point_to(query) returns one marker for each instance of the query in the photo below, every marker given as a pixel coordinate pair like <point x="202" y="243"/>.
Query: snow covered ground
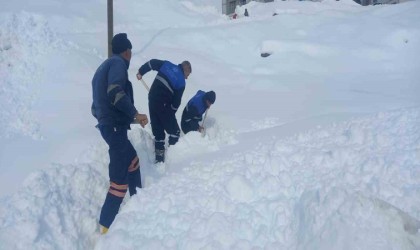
<point x="314" y="147"/>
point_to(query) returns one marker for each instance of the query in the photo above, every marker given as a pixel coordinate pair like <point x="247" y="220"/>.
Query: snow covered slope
<point x="314" y="147"/>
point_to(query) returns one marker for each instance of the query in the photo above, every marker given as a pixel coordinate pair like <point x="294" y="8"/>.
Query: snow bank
<point x="57" y="208"/>
<point x="24" y="39"/>
<point x="321" y="189"/>
<point x="351" y="184"/>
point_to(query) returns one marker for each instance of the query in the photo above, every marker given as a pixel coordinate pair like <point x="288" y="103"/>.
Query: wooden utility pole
<point x="110" y="26"/>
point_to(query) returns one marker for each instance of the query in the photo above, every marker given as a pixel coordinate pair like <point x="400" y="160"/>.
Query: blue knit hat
<point x="120" y="43"/>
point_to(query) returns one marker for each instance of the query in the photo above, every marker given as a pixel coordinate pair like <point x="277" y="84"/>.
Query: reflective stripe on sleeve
<point x="111" y="87"/>
<point x="118" y="97"/>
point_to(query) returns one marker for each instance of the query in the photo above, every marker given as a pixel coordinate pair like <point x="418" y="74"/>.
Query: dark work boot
<point x="160" y="155"/>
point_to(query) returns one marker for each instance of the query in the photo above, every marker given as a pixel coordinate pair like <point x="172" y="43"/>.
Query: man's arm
<point x="153" y="64"/>
<point x="117" y="78"/>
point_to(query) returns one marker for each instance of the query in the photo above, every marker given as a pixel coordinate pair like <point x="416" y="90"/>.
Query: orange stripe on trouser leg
<point x="117" y="193"/>
<point x="117" y="186"/>
<point x="118" y="190"/>
<point x="134" y="164"/>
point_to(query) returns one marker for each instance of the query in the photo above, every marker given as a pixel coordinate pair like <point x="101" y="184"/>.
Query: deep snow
<point x="314" y="147"/>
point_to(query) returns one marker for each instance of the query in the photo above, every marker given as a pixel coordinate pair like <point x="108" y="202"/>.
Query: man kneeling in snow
<point x="195" y="109"/>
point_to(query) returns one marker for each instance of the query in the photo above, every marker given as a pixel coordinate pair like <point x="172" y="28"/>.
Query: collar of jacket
<point x="127" y="63"/>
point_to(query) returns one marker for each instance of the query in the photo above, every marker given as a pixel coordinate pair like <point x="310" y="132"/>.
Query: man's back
<point x="112" y="73"/>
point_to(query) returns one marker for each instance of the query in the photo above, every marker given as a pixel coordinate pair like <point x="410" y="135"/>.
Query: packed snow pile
<point x="24" y="39"/>
<point x="353" y="184"/>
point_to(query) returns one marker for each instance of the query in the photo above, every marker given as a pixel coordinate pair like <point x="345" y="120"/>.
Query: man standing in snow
<point x="194" y="110"/>
<point x="113" y="107"/>
<point x="164" y="99"/>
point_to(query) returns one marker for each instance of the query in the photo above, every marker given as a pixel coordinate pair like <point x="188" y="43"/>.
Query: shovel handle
<point x="145" y="85"/>
<point x="203" y="133"/>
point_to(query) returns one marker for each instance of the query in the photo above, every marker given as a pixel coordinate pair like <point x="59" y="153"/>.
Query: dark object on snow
<point x="275" y="14"/>
<point x="246" y="12"/>
<point x="265" y="54"/>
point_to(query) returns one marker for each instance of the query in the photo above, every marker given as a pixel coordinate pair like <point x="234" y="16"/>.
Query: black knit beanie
<point x="120" y="43"/>
<point x="210" y="96"/>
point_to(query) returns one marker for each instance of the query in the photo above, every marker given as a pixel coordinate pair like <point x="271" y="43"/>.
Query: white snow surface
<point x="315" y="147"/>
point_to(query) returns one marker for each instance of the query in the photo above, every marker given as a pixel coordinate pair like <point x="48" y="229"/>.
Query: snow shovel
<point x="203" y="133"/>
<point x="145" y="85"/>
<point x="148" y="90"/>
<point x="142" y="81"/>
